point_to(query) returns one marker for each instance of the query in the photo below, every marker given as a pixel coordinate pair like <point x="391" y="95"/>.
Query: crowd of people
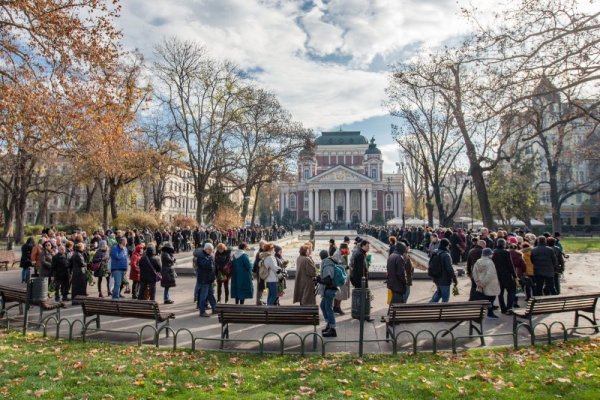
<point x="497" y="263"/>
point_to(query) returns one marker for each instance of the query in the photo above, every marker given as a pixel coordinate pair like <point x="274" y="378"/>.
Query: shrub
<point x="138" y="220"/>
<point x="32" y="230"/>
<point x="182" y="221"/>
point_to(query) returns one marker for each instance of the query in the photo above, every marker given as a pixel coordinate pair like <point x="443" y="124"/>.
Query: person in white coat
<point x="268" y="258"/>
<point x="486" y="279"/>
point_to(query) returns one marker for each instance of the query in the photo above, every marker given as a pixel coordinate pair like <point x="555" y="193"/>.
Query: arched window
<point x="306" y="173"/>
<point x="292" y="201"/>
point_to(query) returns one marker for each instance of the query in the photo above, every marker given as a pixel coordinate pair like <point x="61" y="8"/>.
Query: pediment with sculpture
<point x="340" y="174"/>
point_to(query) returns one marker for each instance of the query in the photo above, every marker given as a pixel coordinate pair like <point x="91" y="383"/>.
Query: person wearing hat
<point x="448" y="276"/>
<point x="167" y="260"/>
<point x="486" y="279"/>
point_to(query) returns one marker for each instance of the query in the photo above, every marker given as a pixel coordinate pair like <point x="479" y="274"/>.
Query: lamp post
<point x="389" y="192"/>
<point x="403" y="215"/>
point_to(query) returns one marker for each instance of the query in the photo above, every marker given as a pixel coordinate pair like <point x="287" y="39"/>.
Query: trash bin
<point x="39" y="289"/>
<point x="356" y="303"/>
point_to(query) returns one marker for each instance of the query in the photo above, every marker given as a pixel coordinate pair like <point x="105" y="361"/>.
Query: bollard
<point x="363" y="298"/>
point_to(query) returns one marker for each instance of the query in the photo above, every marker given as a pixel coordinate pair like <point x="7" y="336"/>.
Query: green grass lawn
<point x="581" y="244"/>
<point x="35" y="367"/>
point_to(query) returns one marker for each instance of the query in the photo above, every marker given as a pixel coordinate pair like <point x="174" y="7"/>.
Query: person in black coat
<point x="545" y="265"/>
<point x="150" y="269"/>
<point x="25" y="263"/>
<point x="396" y="273"/>
<point x="447" y="277"/>
<point x="79" y="278"/>
<point x="359" y="264"/>
<point x="167" y="270"/>
<point x="61" y="275"/>
<point x="506" y="276"/>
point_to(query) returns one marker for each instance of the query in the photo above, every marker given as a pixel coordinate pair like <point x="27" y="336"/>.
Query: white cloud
<point x="280" y="39"/>
<point x="391" y="155"/>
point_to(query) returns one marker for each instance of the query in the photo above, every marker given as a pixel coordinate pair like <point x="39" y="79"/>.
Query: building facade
<point x="340" y="180"/>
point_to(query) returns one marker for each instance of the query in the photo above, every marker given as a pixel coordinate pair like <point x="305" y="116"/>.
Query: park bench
<point x="94" y="307"/>
<point x="7" y="259"/>
<point x="458" y="312"/>
<point x="266" y="315"/>
<point x="543" y="305"/>
<point x="22" y="297"/>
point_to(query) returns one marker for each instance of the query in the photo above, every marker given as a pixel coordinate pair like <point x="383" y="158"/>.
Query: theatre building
<point x="340" y="179"/>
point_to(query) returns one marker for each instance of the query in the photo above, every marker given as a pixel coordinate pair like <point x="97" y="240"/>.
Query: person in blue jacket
<point x="118" y="265"/>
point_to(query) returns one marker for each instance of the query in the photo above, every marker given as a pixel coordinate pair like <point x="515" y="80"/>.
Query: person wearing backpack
<point x="327" y="291"/>
<point x="440" y="269"/>
<point x="396" y="273"/>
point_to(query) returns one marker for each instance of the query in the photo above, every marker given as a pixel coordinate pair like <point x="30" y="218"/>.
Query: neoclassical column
<point x="310" y="205"/>
<point x="369" y="205"/>
<point x="331" y="205"/>
<point x="347" y="206"/>
<point x="363" y="210"/>
<point x="317" y="208"/>
<point x="394" y="208"/>
<point x="281" y="203"/>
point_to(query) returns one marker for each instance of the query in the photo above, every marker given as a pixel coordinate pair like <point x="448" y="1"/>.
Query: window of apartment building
<point x="545" y="197"/>
<point x="305" y="205"/>
<point x="292" y="201"/>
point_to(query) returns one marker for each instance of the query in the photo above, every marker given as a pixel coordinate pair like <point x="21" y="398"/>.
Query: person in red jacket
<point x="134" y="272"/>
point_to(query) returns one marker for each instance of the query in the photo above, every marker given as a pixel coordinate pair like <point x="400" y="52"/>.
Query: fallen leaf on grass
<point x="583" y="374"/>
<point x="139" y="383"/>
<point x="306" y="391"/>
<point x="555" y="365"/>
<point x="347" y="392"/>
<point x="343" y="381"/>
<point x="559" y="380"/>
<point x="40" y="393"/>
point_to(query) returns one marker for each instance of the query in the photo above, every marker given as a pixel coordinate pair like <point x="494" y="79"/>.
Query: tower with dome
<point x="340" y="179"/>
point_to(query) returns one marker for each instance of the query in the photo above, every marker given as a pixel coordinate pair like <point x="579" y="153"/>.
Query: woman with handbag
<point x="486" y="279"/>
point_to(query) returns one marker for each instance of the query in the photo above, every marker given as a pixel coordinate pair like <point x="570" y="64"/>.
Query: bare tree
<point x="268" y="141"/>
<point x="202" y="96"/>
<point x="545" y="59"/>
<point x="428" y="137"/>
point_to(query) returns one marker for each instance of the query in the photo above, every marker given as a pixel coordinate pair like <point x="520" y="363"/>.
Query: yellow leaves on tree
<point x="227" y="217"/>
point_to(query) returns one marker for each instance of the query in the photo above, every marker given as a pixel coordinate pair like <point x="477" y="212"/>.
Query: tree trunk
<point x="475" y="166"/>
<point x="200" y="208"/>
<point x="255" y="205"/>
<point x="105" y="206"/>
<point x="87" y="208"/>
<point x="9" y="217"/>
<point x="555" y="202"/>
<point x="114" y="211"/>
<point x="246" y="202"/>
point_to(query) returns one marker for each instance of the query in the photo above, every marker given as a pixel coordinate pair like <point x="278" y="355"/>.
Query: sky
<point x="328" y="61"/>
